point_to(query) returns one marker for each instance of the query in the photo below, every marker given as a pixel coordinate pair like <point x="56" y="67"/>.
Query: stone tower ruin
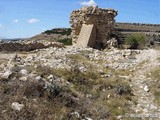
<point x="92" y="26"/>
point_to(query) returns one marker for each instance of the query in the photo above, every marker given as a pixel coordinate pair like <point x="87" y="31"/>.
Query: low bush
<point x="123" y="89"/>
<point x="65" y="31"/>
<point x="136" y="41"/>
<point x="65" y="41"/>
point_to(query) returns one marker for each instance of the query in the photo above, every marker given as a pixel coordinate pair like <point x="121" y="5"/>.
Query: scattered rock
<point x="76" y="114"/>
<point x="146" y="89"/>
<point x="24" y="78"/>
<point x="87" y="118"/>
<point x="50" y="77"/>
<point x="24" y="72"/>
<point x="6" y="74"/>
<point x="17" y="106"/>
<point x="120" y="117"/>
<point x="153" y="107"/>
<point x="108" y="95"/>
<point x="38" y="78"/>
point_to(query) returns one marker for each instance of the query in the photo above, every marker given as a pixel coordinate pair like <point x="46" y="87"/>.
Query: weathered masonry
<point x="92" y="26"/>
<point x="151" y="31"/>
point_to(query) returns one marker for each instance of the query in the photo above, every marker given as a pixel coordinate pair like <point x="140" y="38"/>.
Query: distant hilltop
<point x="11" y="39"/>
<point x="62" y="33"/>
<point x="137" y="27"/>
<point x="53" y="34"/>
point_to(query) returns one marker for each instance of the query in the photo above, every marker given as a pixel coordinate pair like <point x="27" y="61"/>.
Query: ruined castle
<point x="96" y="27"/>
<point x="92" y="26"/>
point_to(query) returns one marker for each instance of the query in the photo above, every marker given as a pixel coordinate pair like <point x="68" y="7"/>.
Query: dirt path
<point x="145" y="99"/>
<point x="7" y="56"/>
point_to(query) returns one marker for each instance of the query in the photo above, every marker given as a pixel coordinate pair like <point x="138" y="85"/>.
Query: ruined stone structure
<point x="92" y="26"/>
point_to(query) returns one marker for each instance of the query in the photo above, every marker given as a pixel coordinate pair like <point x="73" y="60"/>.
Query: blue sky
<point x="25" y="18"/>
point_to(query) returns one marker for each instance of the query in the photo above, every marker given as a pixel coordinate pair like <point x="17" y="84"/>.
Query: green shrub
<point x="65" y="31"/>
<point x="136" y="41"/>
<point x="123" y="89"/>
<point x="65" y="41"/>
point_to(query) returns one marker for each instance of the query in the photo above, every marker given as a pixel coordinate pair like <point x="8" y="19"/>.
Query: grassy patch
<point x="122" y="72"/>
<point x="158" y="59"/>
<point x="155" y="74"/>
<point x="65" y="41"/>
<point x="37" y="103"/>
<point x="79" y="59"/>
<point x="155" y="85"/>
<point x="136" y="41"/>
<point x="85" y="92"/>
<point x="3" y="61"/>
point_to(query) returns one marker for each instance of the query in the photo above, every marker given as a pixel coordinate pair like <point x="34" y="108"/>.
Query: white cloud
<point x="89" y="3"/>
<point x="33" y="20"/>
<point x="16" y="20"/>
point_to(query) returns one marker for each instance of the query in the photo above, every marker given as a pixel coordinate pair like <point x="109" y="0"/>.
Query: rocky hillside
<point x="80" y="84"/>
<point x="52" y="35"/>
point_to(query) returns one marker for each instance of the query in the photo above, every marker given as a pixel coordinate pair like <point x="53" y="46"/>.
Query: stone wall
<point x="152" y="31"/>
<point x="27" y="46"/>
<point x="102" y="19"/>
<point x="137" y="27"/>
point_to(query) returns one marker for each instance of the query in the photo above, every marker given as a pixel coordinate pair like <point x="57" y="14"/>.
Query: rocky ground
<point x="80" y="84"/>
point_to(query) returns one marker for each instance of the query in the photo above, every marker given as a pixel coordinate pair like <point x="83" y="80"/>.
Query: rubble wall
<point x="30" y="46"/>
<point x="102" y="19"/>
<point x="152" y="31"/>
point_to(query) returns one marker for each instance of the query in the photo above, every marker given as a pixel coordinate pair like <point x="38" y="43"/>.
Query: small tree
<point x="136" y="40"/>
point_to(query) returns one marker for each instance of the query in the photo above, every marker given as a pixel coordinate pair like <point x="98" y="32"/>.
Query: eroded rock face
<point x="103" y="20"/>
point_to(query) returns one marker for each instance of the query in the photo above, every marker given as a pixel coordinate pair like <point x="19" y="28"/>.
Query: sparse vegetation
<point x="65" y="41"/>
<point x="136" y="41"/>
<point x="155" y="84"/>
<point x="86" y="87"/>
<point x="65" y="31"/>
<point x="87" y="93"/>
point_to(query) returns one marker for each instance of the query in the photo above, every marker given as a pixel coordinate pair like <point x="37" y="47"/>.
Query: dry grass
<point x="155" y="83"/>
<point x="39" y="104"/>
<point x="87" y="93"/>
<point x="3" y="61"/>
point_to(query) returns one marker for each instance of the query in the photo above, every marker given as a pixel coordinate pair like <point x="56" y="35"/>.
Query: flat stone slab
<point x="87" y="36"/>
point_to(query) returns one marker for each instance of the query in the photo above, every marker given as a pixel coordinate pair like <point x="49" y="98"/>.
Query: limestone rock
<point x="17" y="106"/>
<point x="24" y="72"/>
<point x="6" y="74"/>
<point x="146" y="88"/>
<point x="76" y="114"/>
<point x="23" y="78"/>
<point x="38" y="78"/>
<point x="120" y="117"/>
<point x="87" y="118"/>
